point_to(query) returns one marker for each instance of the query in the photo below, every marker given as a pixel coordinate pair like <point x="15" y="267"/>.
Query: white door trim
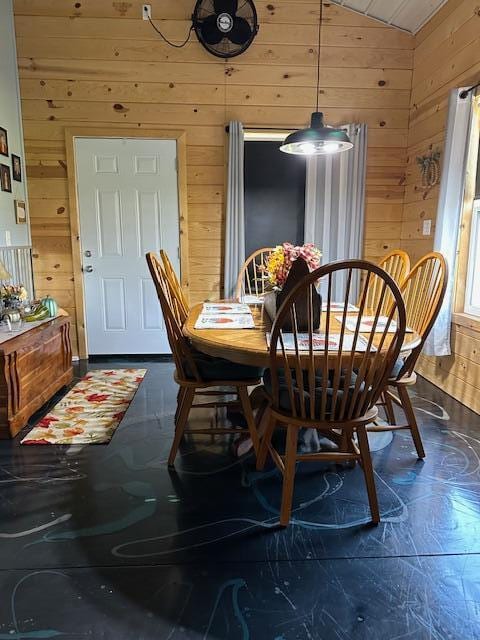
<point x="155" y="134"/>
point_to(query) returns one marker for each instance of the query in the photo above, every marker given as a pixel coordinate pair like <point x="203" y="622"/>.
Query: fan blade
<point x="241" y="31"/>
<point x="226" y="6"/>
<point x="210" y="32"/>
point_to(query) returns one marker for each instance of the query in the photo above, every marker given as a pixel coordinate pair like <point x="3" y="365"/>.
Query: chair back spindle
<point x="175" y="284"/>
<point x="397" y="265"/>
<point x="423" y="291"/>
<point x="252" y="279"/>
<point x="174" y="317"/>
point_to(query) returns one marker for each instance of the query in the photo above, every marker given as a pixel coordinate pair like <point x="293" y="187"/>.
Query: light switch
<point x="427" y="227"/>
<point x="8" y="239"/>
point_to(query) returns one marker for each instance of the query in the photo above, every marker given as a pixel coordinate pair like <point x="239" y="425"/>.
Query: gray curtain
<point x="235" y="217"/>
<point x="449" y="211"/>
<point x="335" y="203"/>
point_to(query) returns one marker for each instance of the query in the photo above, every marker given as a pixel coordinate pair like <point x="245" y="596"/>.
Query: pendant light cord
<point x="319" y="45"/>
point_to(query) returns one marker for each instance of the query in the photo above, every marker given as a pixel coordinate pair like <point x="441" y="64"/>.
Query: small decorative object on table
<point x="285" y="267"/>
<point x="37" y="312"/>
<point x="14" y="296"/>
<point x="51" y="305"/>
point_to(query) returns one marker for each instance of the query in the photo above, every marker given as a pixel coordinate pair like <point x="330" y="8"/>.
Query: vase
<point x="273" y="301"/>
<point x="298" y="271"/>
<point x="270" y="304"/>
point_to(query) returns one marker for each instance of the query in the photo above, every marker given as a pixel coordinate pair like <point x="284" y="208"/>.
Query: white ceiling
<point x="409" y="15"/>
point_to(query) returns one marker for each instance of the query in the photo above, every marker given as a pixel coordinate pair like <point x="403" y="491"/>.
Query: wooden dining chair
<point x="423" y="291"/>
<point x="252" y="279"/>
<point x="198" y="374"/>
<point x="175" y="283"/>
<point x="333" y="389"/>
<point x="397" y="264"/>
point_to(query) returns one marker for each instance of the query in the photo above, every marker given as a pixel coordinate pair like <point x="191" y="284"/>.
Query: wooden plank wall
<point x="447" y="55"/>
<point x="96" y="62"/>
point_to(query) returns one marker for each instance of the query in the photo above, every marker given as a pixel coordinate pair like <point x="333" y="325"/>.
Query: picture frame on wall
<point x="5" y="178"/>
<point x="3" y="142"/>
<point x="20" y="212"/>
<point x="16" y="168"/>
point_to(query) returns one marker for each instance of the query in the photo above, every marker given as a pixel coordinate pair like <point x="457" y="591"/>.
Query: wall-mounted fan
<point x="226" y="28"/>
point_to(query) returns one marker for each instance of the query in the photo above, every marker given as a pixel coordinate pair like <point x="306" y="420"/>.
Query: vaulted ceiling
<point x="409" y="15"/>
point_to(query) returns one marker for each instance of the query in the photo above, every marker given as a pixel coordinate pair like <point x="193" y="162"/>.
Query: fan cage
<point x="225" y="48"/>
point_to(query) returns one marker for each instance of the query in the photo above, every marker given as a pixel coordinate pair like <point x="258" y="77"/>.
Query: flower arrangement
<point x="280" y="261"/>
<point x="13" y="294"/>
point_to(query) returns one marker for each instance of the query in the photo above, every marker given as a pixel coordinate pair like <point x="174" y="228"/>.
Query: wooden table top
<point x="249" y="346"/>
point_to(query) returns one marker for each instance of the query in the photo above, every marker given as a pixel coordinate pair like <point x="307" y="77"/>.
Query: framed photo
<point x="20" y="212"/>
<point x="16" y="168"/>
<point x="5" y="178"/>
<point x="3" y="142"/>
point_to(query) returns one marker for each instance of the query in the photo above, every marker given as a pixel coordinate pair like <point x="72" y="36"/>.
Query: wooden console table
<point x="34" y="364"/>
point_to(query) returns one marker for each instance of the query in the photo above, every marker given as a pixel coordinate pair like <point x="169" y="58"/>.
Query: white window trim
<point x="265" y="136"/>
<point x="473" y="260"/>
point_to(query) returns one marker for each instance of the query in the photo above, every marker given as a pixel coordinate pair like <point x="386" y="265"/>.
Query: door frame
<point x="102" y="133"/>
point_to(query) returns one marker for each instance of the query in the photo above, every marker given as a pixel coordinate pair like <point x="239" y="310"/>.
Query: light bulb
<point x="307" y="148"/>
<point x="331" y="147"/>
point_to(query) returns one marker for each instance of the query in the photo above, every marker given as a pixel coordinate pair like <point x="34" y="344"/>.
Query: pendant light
<point x="318" y="139"/>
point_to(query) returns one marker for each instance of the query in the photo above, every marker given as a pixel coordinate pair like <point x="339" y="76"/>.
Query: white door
<point x="128" y="205"/>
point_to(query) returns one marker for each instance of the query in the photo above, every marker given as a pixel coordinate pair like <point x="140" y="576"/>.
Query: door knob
<point x="88" y="268"/>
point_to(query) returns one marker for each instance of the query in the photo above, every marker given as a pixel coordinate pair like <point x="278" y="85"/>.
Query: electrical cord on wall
<point x="172" y="44"/>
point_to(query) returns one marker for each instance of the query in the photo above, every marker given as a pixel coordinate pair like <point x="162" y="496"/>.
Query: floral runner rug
<point x="91" y="411"/>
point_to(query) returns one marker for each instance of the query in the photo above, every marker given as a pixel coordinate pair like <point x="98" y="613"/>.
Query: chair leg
<point x="265" y="442"/>
<point x="368" y="472"/>
<point x="411" y="419"/>
<point x="181" y="422"/>
<point x="262" y="419"/>
<point x="180" y="399"/>
<point x="289" y="475"/>
<point x="389" y="408"/>
<point x="248" y="413"/>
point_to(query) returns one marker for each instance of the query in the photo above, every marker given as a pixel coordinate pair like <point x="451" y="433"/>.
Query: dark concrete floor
<point x="104" y="542"/>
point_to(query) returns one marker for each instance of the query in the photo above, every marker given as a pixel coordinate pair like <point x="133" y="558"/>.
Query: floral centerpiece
<point x="279" y="267"/>
<point x="13" y="295"/>
<point x="281" y="259"/>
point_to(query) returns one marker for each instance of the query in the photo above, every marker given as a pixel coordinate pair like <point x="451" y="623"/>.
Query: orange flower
<point x="45" y="422"/>
<point x="97" y="397"/>
<point x="73" y="431"/>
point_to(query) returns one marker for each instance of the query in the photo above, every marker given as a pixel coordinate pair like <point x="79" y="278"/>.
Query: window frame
<point x="461" y="315"/>
<point x="473" y="260"/>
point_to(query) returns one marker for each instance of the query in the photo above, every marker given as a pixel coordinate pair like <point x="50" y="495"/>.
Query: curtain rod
<point x="277" y="129"/>
<point x="465" y="93"/>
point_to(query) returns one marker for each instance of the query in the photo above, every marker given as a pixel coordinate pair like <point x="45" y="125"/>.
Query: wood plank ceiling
<point x="409" y="15"/>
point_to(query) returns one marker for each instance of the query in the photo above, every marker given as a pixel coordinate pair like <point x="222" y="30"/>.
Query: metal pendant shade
<point x="318" y="139"/>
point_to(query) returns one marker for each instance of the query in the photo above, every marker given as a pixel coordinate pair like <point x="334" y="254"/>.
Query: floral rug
<point x="91" y="410"/>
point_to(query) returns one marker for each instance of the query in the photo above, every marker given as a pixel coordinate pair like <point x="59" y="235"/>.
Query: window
<point x="472" y="288"/>
<point x="274" y="196"/>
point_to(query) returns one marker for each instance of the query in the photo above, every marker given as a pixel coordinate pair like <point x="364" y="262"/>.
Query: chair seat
<point x="212" y="368"/>
<point x="284" y="395"/>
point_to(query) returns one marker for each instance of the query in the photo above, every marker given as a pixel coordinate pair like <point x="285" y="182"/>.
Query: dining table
<point x="249" y="346"/>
